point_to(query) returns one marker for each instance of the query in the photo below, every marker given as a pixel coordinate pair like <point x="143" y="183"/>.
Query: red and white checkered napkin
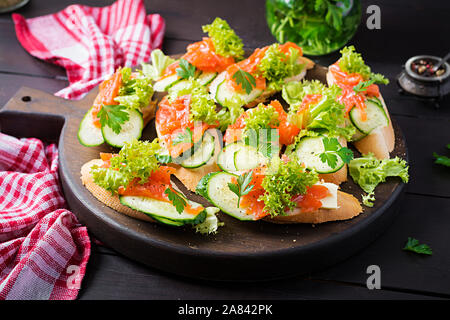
<point x="43" y="248"/>
<point x="90" y="42"/>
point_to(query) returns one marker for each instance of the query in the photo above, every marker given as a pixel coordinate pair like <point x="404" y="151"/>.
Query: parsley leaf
<point x="186" y="70"/>
<point x="177" y="200"/>
<point x="414" y="246"/>
<point x="443" y="160"/>
<point x="362" y="86"/>
<point x="184" y="137"/>
<point x="113" y="116"/>
<point x="241" y="188"/>
<point x="332" y="150"/>
<point x="245" y="80"/>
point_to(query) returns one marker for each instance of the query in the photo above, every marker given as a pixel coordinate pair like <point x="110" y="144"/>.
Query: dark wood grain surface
<point x="407" y="28"/>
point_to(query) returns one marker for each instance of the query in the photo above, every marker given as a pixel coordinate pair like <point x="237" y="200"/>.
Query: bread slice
<point x="348" y="208"/>
<point x="380" y="141"/>
<point x="149" y="112"/>
<point x="105" y="196"/>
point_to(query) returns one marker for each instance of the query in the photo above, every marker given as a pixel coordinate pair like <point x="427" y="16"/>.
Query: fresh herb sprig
<point x="177" y="200"/>
<point x="185" y="69"/>
<point x="442" y="160"/>
<point x="332" y="150"/>
<point x="362" y="86"/>
<point x="245" y="80"/>
<point x="113" y="116"/>
<point x="242" y="187"/>
<point x="414" y="246"/>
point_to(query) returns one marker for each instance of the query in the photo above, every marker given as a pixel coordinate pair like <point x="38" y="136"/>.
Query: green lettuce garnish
<point x="211" y="223"/>
<point x="261" y="117"/>
<point x="368" y="172"/>
<point x="326" y="116"/>
<point x="226" y="42"/>
<point x="134" y="93"/>
<point x="283" y="181"/>
<point x="352" y="62"/>
<point x="203" y="107"/>
<point x="277" y="66"/>
<point x="160" y="62"/>
<point x="136" y="159"/>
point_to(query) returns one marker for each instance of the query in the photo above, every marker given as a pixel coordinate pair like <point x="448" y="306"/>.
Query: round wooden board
<point x="243" y="251"/>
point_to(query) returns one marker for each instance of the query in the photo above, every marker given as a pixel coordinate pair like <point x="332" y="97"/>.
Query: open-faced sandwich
<point x="254" y="79"/>
<point x="134" y="183"/>
<point x="121" y="110"/>
<point x="364" y="103"/>
<point x="281" y="192"/>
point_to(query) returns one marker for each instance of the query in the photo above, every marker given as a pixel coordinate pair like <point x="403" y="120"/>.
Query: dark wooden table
<point x="407" y="28"/>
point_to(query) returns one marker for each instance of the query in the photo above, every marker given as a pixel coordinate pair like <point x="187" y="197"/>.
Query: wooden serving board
<point x="242" y="251"/>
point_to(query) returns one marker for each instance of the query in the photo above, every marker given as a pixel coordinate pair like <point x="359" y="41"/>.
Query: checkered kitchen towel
<point x="43" y="248"/>
<point x="91" y="42"/>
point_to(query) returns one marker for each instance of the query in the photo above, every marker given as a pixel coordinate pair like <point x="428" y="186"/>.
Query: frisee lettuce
<point x="326" y="116"/>
<point x="368" y="172"/>
<point x="160" y="62"/>
<point x="226" y="42"/>
<point x="136" y="159"/>
<point x="203" y="107"/>
<point x="284" y="180"/>
<point x="352" y="62"/>
<point x="134" y="93"/>
<point x="276" y="66"/>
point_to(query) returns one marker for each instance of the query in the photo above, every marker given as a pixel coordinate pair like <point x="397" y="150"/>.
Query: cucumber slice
<point x="202" y="154"/>
<point x="88" y="134"/>
<point x="168" y="221"/>
<point x="222" y="197"/>
<point x="132" y="129"/>
<point x="179" y="85"/>
<point x="206" y="78"/>
<point x="224" y="95"/>
<point x="308" y="151"/>
<point x="164" y="84"/>
<point x="376" y="116"/>
<point x="162" y="210"/>
<point x="225" y="159"/>
<point x="248" y="157"/>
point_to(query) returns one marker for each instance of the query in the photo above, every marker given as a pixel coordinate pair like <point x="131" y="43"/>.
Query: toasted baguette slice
<point x="380" y="141"/>
<point x="191" y="177"/>
<point x="105" y="196"/>
<point x="149" y="112"/>
<point x="348" y="207"/>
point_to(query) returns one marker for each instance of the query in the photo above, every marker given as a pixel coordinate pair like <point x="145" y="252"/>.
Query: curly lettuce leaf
<point x="226" y="42"/>
<point x="368" y="172"/>
<point x="352" y="62"/>
<point x="277" y="66"/>
<point x="135" y="92"/>
<point x="210" y="224"/>
<point x="327" y="116"/>
<point x="283" y="181"/>
<point x="136" y="159"/>
<point x="160" y="62"/>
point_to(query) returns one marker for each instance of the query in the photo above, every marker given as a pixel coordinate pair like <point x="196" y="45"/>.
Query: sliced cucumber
<point x="163" y="211"/>
<point x="168" y="221"/>
<point x="248" y="157"/>
<point x="308" y="151"/>
<point x="88" y="134"/>
<point x="202" y="154"/>
<point x="132" y="129"/>
<point x="225" y="96"/>
<point x="179" y="85"/>
<point x="225" y="159"/>
<point x="376" y="116"/>
<point x="206" y="78"/>
<point x="164" y="84"/>
<point x="222" y="197"/>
